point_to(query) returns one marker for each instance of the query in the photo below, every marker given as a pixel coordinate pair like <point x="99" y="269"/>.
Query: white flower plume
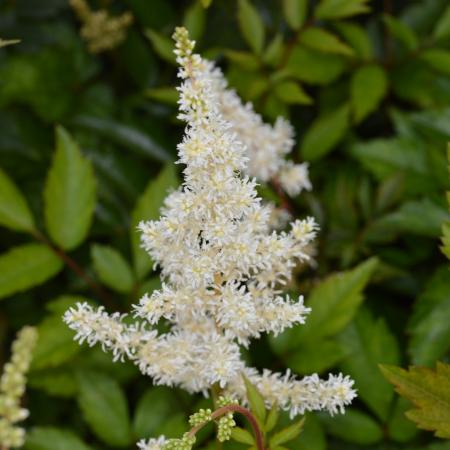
<point x="222" y="269"/>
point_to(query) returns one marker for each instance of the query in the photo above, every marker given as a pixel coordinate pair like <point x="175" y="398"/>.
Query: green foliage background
<point x="367" y="88"/>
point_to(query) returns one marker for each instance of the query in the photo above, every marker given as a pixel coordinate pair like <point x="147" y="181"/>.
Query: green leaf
<point x="295" y="12"/>
<point x="287" y="434"/>
<point x="370" y="342"/>
<point x="354" y="426"/>
<point x="112" y="268"/>
<point x="315" y="67"/>
<point x="26" y="266"/>
<point x="445" y="238"/>
<point x="104" y="408"/>
<point x="442" y="27"/>
<point x="324" y="41"/>
<point x="429" y="391"/>
<point x="312" y="437"/>
<point x="292" y="92"/>
<point x="368" y="87"/>
<point x="255" y="400"/>
<point x="49" y="438"/>
<point x="429" y="325"/>
<point x="245" y="60"/>
<point x="153" y="409"/>
<point x="195" y="19"/>
<point x="162" y="45"/>
<point x="167" y="95"/>
<point x="401" y="31"/>
<point x="69" y="194"/>
<point x="57" y="382"/>
<point x="325" y="133"/>
<point x="338" y="9"/>
<point x="14" y="211"/>
<point x="147" y="208"/>
<point x="399" y="427"/>
<point x="438" y="59"/>
<point x="124" y="135"/>
<point x="243" y="436"/>
<point x="357" y="37"/>
<point x="274" y="51"/>
<point x="271" y="419"/>
<point x="251" y="25"/>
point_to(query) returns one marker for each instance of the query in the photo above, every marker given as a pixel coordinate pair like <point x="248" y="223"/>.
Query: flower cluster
<point x="12" y="387"/>
<point x="100" y="30"/>
<point x="222" y="268"/>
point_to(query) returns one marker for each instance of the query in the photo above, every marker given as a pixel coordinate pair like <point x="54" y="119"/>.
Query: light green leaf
<point x="147" y="208"/>
<point x="112" y="268"/>
<point x="69" y="194"/>
<point x="315" y="67"/>
<point x="442" y="28"/>
<point x="255" y="400"/>
<point x="429" y="328"/>
<point x="429" y="391"/>
<point x="26" y="266"/>
<point x="49" y="438"/>
<point x="438" y="59"/>
<point x="338" y="9"/>
<point x="325" y="133"/>
<point x="195" y="19"/>
<point x="251" y="25"/>
<point x="399" y="427"/>
<point x="357" y="37"/>
<point x="324" y="41"/>
<point x="401" y="31"/>
<point x="370" y="342"/>
<point x="368" y="88"/>
<point x="292" y="92"/>
<point x="354" y="426"/>
<point x="271" y="419"/>
<point x="153" y="409"/>
<point x="14" y="210"/>
<point x="287" y="434"/>
<point x="295" y="12"/>
<point x="162" y="45"/>
<point x="104" y="408"/>
<point x="243" y="436"/>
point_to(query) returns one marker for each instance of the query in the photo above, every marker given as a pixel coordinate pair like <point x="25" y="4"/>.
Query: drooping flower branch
<point x="222" y="269"/>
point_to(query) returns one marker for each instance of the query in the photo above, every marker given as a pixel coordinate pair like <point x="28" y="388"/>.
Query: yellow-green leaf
<point x="69" y="194"/>
<point x="438" y="59"/>
<point x="167" y="95"/>
<point x="368" y="87"/>
<point x="272" y="419"/>
<point x="401" y="31"/>
<point x="287" y="434"/>
<point x="255" y="400"/>
<point x="274" y="51"/>
<point x="112" y="268"/>
<point x="429" y="391"/>
<point x="162" y="45"/>
<point x="251" y="25"/>
<point x="442" y="28"/>
<point x="295" y="12"/>
<point x="243" y="436"/>
<point x="357" y="37"/>
<point x="292" y="92"/>
<point x="27" y="266"/>
<point x="324" y="41"/>
<point x="338" y="9"/>
<point x="14" y="211"/>
<point x="194" y="20"/>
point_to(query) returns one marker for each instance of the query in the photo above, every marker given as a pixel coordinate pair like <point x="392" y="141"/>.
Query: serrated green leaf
<point x="162" y="45"/>
<point x="195" y="19"/>
<point x="153" y="409"/>
<point x="429" y="324"/>
<point x="338" y="9"/>
<point x="292" y="92"/>
<point x="241" y="435"/>
<point x="271" y="419"/>
<point x="104" y="408"/>
<point x="255" y="400"/>
<point x="429" y="391"/>
<point x="442" y="27"/>
<point x="370" y="342"/>
<point x="295" y="12"/>
<point x="14" y="211"/>
<point x="357" y="37"/>
<point x="26" y="266"/>
<point x="399" y="427"/>
<point x="401" y="31"/>
<point x="147" y="208"/>
<point x="368" y="87"/>
<point x="50" y="438"/>
<point x="354" y="426"/>
<point x="112" y="268"/>
<point x="287" y="434"/>
<point x="69" y="194"/>
<point x="438" y="59"/>
<point x="324" y="41"/>
<point x="251" y="25"/>
<point x="325" y="133"/>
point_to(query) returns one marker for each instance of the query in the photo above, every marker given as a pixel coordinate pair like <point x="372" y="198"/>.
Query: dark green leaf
<point x="194" y="20"/>
<point x="442" y="28"/>
<point x="162" y="45"/>
<point x="438" y="59"/>
<point x="49" y="438"/>
<point x="287" y="434"/>
<point x="400" y="428"/>
<point x="324" y="41"/>
<point x="338" y="9"/>
<point x="251" y="25"/>
<point x="357" y="37"/>
<point x="295" y="12"/>
<point x="167" y="95"/>
<point x="401" y="31"/>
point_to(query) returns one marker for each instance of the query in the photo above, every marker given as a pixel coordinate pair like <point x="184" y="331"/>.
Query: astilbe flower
<point x="12" y="388"/>
<point x="222" y="270"/>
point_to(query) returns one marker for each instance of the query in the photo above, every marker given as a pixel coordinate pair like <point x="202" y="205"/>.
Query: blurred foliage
<point x="367" y="88"/>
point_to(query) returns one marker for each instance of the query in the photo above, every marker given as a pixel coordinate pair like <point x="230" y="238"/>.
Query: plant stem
<point x="241" y="410"/>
